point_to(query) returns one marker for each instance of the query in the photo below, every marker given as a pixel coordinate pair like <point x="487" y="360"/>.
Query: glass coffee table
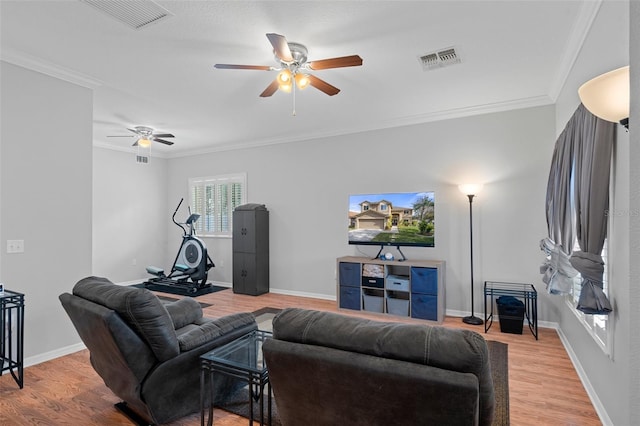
<point x="241" y="358"/>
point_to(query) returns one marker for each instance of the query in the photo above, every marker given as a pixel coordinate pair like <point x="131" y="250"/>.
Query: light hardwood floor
<point x="543" y="385"/>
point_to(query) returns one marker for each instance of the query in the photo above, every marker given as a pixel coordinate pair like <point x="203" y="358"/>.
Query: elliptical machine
<point x="191" y="266"/>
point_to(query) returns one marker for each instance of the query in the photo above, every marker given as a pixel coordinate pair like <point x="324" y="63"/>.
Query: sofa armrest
<point x="195" y="335"/>
<point x="184" y="311"/>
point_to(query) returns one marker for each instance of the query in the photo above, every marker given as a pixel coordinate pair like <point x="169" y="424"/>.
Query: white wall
<point x="633" y="301"/>
<point x="46" y="144"/>
<point x="306" y="185"/>
<point x="130" y="215"/>
<point x="605" y="48"/>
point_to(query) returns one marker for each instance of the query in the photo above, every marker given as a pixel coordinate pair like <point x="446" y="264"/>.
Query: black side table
<point x="12" y="343"/>
<point x="526" y="292"/>
<point x="241" y="358"/>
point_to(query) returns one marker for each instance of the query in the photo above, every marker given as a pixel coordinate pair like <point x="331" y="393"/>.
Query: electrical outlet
<point x="15" y="246"/>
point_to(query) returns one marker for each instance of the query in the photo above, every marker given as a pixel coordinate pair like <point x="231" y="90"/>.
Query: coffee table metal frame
<point x="241" y="358"/>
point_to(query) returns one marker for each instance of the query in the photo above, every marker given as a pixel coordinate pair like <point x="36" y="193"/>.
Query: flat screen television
<point x="392" y="219"/>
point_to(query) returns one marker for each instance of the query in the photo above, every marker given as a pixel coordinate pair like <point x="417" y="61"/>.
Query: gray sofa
<point x="329" y="369"/>
<point x="147" y="352"/>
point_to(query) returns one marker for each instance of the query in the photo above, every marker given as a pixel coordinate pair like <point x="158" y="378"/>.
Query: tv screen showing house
<point x="393" y="219"/>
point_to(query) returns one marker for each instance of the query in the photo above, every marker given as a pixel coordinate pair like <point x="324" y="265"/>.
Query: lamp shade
<point x="607" y="96"/>
<point x="470" y="188"/>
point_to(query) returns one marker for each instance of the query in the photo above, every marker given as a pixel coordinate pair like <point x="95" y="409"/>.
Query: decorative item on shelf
<point x="471" y="190"/>
<point x="607" y="96"/>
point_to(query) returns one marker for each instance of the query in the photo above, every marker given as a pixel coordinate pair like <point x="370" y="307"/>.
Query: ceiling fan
<point x="145" y="135"/>
<point x="293" y="67"/>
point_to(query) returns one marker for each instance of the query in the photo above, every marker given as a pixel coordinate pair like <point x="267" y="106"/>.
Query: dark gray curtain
<point x="559" y="275"/>
<point x="580" y="170"/>
<point x="591" y="173"/>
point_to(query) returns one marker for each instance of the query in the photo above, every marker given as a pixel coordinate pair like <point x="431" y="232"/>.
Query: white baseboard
<point x="56" y="353"/>
<point x="302" y="294"/>
<point x="593" y="396"/>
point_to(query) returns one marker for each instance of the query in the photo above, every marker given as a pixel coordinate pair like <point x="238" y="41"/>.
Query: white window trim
<point x="605" y="346"/>
<point x="233" y="177"/>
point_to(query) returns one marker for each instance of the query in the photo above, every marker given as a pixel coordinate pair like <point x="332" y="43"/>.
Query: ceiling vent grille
<point x="135" y="14"/>
<point x="442" y="58"/>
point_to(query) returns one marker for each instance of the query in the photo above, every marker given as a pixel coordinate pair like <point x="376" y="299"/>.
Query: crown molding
<point x="42" y="66"/>
<point x="579" y="33"/>
<point x="400" y="122"/>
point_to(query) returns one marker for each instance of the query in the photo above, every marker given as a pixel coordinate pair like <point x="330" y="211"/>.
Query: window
<point x="214" y="198"/>
<point x="578" y="201"/>
<point x="596" y="325"/>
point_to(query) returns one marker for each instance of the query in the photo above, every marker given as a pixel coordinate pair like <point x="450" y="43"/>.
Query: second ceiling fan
<point x="293" y="67"/>
<point x="145" y="135"/>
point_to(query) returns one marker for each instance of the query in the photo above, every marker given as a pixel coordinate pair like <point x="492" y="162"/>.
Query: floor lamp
<point x="471" y="190"/>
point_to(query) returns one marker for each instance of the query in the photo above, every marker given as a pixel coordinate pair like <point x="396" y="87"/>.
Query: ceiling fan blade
<point x="135" y="143"/>
<point x="270" y="90"/>
<point x="163" y="135"/>
<point x="281" y="47"/>
<point x="162" y="141"/>
<point x="243" y="67"/>
<point x="132" y="130"/>
<point x="323" y="86"/>
<point x="344" y="61"/>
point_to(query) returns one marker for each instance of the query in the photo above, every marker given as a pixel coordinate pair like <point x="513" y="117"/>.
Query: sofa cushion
<point x="184" y="311"/>
<point x="204" y="330"/>
<point x="450" y="349"/>
<point x="139" y="307"/>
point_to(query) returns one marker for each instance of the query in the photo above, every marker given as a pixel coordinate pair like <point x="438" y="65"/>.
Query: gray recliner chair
<point x="148" y="353"/>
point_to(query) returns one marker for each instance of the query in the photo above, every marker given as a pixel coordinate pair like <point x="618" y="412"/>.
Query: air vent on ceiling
<point x="135" y="14"/>
<point x="442" y="58"/>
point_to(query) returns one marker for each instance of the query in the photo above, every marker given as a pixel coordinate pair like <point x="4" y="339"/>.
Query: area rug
<point x="182" y="291"/>
<point x="498" y="357"/>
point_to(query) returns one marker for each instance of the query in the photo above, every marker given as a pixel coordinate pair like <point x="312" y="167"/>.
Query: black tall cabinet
<point x="251" y="249"/>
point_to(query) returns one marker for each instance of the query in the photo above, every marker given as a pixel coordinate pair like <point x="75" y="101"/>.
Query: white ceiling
<point x="514" y="54"/>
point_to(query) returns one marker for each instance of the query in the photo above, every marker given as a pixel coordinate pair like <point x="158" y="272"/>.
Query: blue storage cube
<point x="349" y="274"/>
<point x="424" y="306"/>
<point x="350" y="298"/>
<point x="424" y="280"/>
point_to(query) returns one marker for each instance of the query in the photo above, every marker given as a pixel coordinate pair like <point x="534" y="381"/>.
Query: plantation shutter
<point x="215" y="198"/>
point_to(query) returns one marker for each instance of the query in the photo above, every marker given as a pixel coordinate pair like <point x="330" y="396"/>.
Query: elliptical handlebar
<point x="173" y="217"/>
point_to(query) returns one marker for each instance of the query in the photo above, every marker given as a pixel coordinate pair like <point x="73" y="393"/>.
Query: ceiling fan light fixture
<point x="144" y="142"/>
<point x="285" y="81"/>
<point x="286" y="88"/>
<point x="284" y="77"/>
<point x="302" y="81"/>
